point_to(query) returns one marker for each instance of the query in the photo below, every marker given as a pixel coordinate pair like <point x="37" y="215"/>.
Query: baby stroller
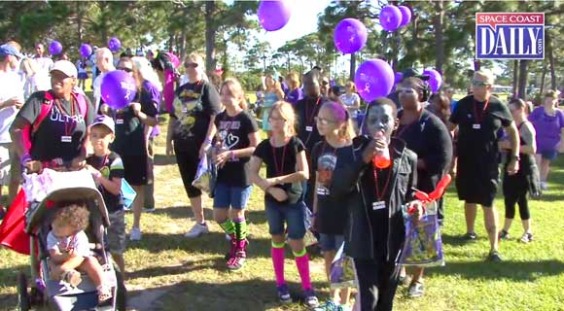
<point x="42" y="193"/>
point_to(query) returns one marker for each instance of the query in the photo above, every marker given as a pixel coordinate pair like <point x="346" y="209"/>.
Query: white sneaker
<point x="135" y="234"/>
<point x="227" y="237"/>
<point x="544" y="185"/>
<point x="197" y="230"/>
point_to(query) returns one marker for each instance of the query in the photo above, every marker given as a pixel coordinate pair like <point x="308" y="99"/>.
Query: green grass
<point x="169" y="272"/>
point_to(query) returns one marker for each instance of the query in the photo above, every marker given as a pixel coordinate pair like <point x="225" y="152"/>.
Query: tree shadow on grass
<point x="9" y="278"/>
<point x="249" y="295"/>
<point x="184" y="212"/>
<point x="185" y="267"/>
<point x="213" y="243"/>
<point x="509" y="270"/>
<point x="161" y="159"/>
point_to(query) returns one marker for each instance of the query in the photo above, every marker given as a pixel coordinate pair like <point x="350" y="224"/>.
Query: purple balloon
<point x="85" y="50"/>
<point x="398" y="77"/>
<point x="118" y="89"/>
<point x="114" y="44"/>
<point x="373" y="79"/>
<point x="405" y="15"/>
<point x="435" y="79"/>
<point x="55" y="48"/>
<point x="273" y="15"/>
<point x="350" y="35"/>
<point x="390" y="18"/>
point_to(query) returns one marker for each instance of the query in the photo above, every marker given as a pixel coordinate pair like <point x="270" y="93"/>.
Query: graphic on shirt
<point x="57" y="116"/>
<point x="325" y="167"/>
<point x="185" y="105"/>
<point x="229" y="139"/>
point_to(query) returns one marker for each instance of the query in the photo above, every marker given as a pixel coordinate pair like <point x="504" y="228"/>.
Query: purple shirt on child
<point x="548" y="128"/>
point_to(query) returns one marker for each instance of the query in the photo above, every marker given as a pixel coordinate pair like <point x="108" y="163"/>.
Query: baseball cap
<point x="413" y="72"/>
<point x="104" y="120"/>
<point x="66" y="67"/>
<point x="8" y="49"/>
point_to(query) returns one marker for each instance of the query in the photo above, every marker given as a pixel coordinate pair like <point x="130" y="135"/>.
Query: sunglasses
<point x="128" y="70"/>
<point x="479" y="83"/>
<point x="190" y="65"/>
<point x="324" y="82"/>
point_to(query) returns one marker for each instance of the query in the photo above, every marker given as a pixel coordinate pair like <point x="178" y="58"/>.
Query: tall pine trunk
<point x="523" y="76"/>
<point x="438" y="22"/>
<point x="210" y="36"/>
<point x="515" y="78"/>
<point x="353" y="67"/>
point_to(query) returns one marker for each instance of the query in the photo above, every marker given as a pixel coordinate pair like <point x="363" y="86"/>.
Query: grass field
<point x="169" y="272"/>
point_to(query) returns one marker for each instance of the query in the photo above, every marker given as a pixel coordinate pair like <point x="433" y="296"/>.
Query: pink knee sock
<point x="302" y="262"/>
<point x="277" y="254"/>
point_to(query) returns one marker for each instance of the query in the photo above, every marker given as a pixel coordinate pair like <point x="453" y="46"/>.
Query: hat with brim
<point x="413" y="72"/>
<point x="8" y="49"/>
<point x="66" y="67"/>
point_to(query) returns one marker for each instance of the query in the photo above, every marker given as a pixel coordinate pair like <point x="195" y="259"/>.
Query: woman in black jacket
<point x="375" y="233"/>
<point x="428" y="137"/>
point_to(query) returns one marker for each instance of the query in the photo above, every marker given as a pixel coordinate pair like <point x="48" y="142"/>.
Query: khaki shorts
<point x="9" y="164"/>
<point x="116" y="232"/>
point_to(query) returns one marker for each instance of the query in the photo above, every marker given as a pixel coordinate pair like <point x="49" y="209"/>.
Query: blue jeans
<point x="294" y="215"/>
<point x="330" y="242"/>
<point x="226" y="196"/>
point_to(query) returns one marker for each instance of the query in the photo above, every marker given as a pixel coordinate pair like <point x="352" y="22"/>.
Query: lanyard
<point x="279" y="169"/>
<point x="68" y="120"/>
<point x="310" y="114"/>
<point x="480" y="117"/>
<point x="380" y="195"/>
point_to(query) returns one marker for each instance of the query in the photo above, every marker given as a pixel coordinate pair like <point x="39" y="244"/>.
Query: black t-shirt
<point x="477" y="130"/>
<point x="378" y="212"/>
<point x="130" y="131"/>
<point x="307" y="109"/>
<point x="332" y="213"/>
<point x="51" y="140"/>
<point x="111" y="167"/>
<point x="233" y="133"/>
<point x="194" y="105"/>
<point x="282" y="161"/>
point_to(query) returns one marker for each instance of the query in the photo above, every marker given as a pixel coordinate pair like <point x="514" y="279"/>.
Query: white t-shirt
<point x="43" y="63"/>
<point x="349" y="101"/>
<point x="11" y="85"/>
<point x="78" y="244"/>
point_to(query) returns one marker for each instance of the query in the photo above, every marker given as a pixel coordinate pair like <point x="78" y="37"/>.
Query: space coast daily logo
<point x="510" y="35"/>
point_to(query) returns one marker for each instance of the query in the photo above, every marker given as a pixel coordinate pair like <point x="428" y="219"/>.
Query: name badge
<point x="119" y="121"/>
<point x="309" y="128"/>
<point x="184" y="110"/>
<point x="66" y="139"/>
<point x="378" y="205"/>
<point x="476" y="126"/>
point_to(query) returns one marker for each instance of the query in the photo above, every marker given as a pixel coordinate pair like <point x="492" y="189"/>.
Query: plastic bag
<point x="127" y="193"/>
<point x="423" y="244"/>
<point x="342" y="273"/>
<point x="206" y="176"/>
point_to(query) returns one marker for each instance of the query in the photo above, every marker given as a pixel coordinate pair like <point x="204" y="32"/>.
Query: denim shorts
<point x="330" y="242"/>
<point x="226" y="196"/>
<point x="293" y="215"/>
<point x="550" y="155"/>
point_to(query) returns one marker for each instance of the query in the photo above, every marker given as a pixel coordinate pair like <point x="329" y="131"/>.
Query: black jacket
<point x="351" y="184"/>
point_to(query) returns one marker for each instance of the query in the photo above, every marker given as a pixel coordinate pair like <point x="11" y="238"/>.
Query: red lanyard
<point x="68" y="121"/>
<point x="480" y="117"/>
<point x="279" y="169"/>
<point x="380" y="195"/>
<point x="311" y="114"/>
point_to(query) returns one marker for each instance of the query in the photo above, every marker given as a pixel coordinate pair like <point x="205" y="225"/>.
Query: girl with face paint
<point x="375" y="231"/>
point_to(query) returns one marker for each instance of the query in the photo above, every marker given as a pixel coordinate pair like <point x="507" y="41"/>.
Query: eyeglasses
<point x="271" y="119"/>
<point x="190" y="65"/>
<point x="479" y="83"/>
<point x="323" y="121"/>
<point x="128" y="70"/>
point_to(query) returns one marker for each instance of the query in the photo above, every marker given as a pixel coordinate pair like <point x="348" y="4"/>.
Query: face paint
<point x="380" y="118"/>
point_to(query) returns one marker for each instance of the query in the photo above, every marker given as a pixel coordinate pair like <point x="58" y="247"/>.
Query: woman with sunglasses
<point x="478" y="118"/>
<point x="429" y="138"/>
<point x="133" y="126"/>
<point x="191" y="129"/>
<point x="273" y="94"/>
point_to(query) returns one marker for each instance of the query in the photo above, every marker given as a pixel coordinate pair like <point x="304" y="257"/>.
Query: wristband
<point x="232" y="156"/>
<point x="25" y="158"/>
<point x="208" y="141"/>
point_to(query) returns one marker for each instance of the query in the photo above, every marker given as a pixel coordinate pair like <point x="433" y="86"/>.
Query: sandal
<point x="104" y="293"/>
<point x="71" y="277"/>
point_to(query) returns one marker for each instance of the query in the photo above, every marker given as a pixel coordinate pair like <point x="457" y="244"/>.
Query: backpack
<point x="47" y="104"/>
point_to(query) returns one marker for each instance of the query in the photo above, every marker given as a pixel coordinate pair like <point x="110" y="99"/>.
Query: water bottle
<point x="382" y="158"/>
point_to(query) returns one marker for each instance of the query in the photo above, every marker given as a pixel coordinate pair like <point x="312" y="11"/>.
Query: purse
<point x="206" y="175"/>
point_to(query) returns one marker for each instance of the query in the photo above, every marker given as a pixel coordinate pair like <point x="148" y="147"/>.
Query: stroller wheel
<point x="24" y="303"/>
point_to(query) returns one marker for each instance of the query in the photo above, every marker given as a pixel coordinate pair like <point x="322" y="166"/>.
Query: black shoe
<point x="494" y="256"/>
<point x="470" y="237"/>
<point x="503" y="235"/>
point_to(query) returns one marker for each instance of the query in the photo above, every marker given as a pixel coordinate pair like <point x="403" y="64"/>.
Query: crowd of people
<point x="313" y="134"/>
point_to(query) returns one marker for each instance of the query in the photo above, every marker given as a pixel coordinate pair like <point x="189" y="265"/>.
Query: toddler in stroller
<point x="65" y="224"/>
<point x="69" y="249"/>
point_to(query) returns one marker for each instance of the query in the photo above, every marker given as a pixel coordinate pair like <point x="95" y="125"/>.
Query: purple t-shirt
<point x="294" y="96"/>
<point x="548" y="128"/>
